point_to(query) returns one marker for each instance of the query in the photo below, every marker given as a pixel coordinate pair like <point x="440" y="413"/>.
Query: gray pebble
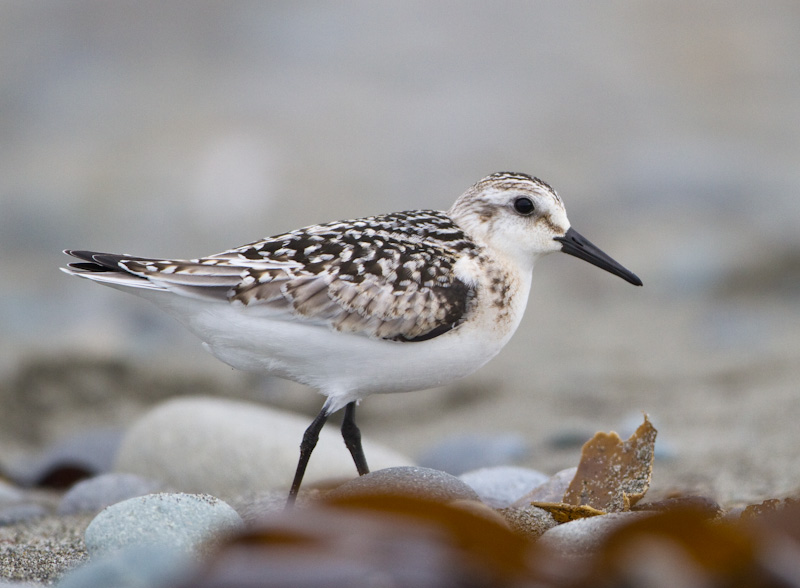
<point x="90" y="451"/>
<point x="584" y="536"/>
<point x="414" y="481"/>
<point x="254" y="507"/>
<point x="227" y="448"/>
<point x="500" y="486"/>
<point x="569" y="437"/>
<point x="10" y="493"/>
<point x="18" y="505"/>
<point x="96" y="493"/>
<point x="552" y="490"/>
<point x="184" y="522"/>
<point x="141" y="566"/>
<point x="531" y="522"/>
<point x="21" y="512"/>
<point x="459" y="454"/>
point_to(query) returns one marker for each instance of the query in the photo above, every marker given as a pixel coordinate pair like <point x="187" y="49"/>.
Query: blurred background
<point x="179" y="129"/>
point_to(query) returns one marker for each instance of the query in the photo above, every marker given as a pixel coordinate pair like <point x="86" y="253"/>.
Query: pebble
<point x="569" y="437"/>
<point x="463" y="453"/>
<point x="140" y="566"/>
<point x="228" y="448"/>
<point x="481" y="509"/>
<point x="10" y="493"/>
<point x="94" y="494"/>
<point x="403" y="542"/>
<point x="254" y="507"/>
<point x="530" y="522"/>
<point x="412" y="481"/>
<point x="584" y="536"/>
<point x="24" y="511"/>
<point x="182" y="522"/>
<point x="69" y="460"/>
<point x="702" y="505"/>
<point x="500" y="486"/>
<point x="19" y="505"/>
<point x="552" y="490"/>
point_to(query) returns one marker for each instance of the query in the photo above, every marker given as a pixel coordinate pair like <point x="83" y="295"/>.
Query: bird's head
<point x="523" y="218"/>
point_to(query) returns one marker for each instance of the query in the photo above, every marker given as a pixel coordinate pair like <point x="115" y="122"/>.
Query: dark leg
<point x="352" y="438"/>
<point x="310" y="438"/>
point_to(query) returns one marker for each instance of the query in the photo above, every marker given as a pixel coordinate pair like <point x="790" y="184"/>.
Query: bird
<point x="390" y="303"/>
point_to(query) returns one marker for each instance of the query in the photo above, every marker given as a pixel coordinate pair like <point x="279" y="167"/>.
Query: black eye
<point x="524" y="205"/>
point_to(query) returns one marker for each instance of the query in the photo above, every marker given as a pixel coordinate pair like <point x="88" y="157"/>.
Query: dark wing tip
<point x="82" y="254"/>
<point x="97" y="261"/>
<point x="87" y="267"/>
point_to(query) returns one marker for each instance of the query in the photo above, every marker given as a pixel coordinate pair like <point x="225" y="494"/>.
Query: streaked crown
<point x="512" y="213"/>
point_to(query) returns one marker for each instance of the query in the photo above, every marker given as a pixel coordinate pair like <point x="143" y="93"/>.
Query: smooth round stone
<point x="411" y="481"/>
<point x="463" y="453"/>
<point x="229" y="448"/>
<point x="584" y="536"/>
<point x="183" y="522"/>
<point x="326" y="547"/>
<point x="18" y="505"/>
<point x="255" y="507"/>
<point x="94" y="494"/>
<point x="552" y="490"/>
<point x="482" y="510"/>
<point x="10" y="493"/>
<point x="709" y="507"/>
<point x="142" y="566"/>
<point x="17" y="513"/>
<point x="69" y="459"/>
<point x="532" y="522"/>
<point x="500" y="486"/>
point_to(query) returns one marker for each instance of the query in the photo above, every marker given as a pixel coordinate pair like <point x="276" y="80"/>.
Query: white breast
<point x="346" y="366"/>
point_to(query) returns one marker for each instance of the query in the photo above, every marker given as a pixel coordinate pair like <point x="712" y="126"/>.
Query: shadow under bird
<point x="389" y="303"/>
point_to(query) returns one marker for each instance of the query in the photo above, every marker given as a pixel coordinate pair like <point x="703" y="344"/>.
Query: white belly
<point x="343" y="366"/>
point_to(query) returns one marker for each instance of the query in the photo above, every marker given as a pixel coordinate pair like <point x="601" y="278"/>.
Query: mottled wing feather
<point x="389" y="276"/>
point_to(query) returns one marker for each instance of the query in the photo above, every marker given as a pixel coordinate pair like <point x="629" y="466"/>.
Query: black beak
<point x="576" y="244"/>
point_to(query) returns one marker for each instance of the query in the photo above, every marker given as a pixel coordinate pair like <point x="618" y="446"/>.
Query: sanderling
<point x="389" y="303"/>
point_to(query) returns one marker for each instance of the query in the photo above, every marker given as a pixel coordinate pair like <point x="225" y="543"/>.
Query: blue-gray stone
<point x="184" y="522"/>
<point x="409" y="480"/>
<point x="96" y="493"/>
<point x="141" y="566"/>
<point x="552" y="490"/>
<point x="92" y="451"/>
<point x="23" y="511"/>
<point x="459" y="454"/>
<point x="500" y="486"/>
<point x="245" y="445"/>
<point x="10" y="493"/>
<point x="583" y="537"/>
